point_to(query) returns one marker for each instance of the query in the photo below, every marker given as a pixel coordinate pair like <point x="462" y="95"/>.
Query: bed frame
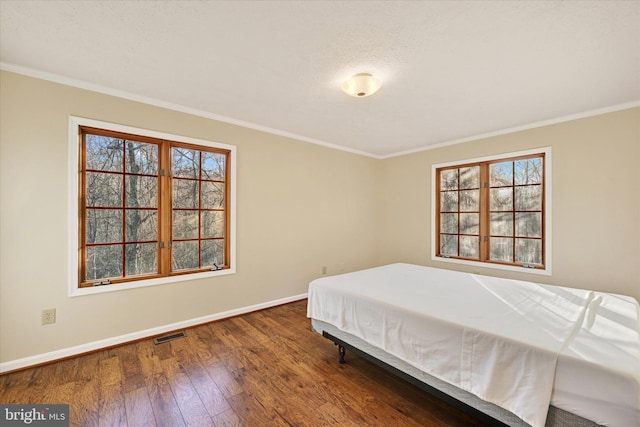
<point x="483" y="411"/>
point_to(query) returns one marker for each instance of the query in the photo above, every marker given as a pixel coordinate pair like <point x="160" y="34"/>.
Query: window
<point x="493" y="211"/>
<point x="151" y="207"/>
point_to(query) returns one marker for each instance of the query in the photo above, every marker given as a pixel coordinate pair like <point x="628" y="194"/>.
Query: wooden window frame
<point x="483" y="260"/>
<point x="164" y="273"/>
<point x="169" y="209"/>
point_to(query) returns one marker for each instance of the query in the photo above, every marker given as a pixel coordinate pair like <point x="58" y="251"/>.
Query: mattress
<point x="500" y="340"/>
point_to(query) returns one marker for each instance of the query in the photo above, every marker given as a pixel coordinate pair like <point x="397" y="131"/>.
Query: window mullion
<point x="124" y="208"/>
<point x="227" y="208"/>
<point x="200" y="210"/>
<point x="438" y="213"/>
<point x="164" y="205"/>
<point x="458" y="212"/>
<point x="484" y="212"/>
<point x="82" y="214"/>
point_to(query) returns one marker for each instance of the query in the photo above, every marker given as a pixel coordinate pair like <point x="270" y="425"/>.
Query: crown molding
<point x="43" y="75"/>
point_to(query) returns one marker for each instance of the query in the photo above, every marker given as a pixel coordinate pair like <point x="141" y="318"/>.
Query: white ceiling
<point x="451" y="70"/>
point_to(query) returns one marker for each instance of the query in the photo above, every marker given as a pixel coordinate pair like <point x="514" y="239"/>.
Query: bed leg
<point x="341" y="352"/>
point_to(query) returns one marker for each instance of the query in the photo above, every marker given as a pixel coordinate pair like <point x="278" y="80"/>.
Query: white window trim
<point x="547" y="213"/>
<point x="74" y="150"/>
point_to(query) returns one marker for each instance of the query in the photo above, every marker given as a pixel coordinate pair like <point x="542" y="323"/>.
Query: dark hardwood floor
<point x="261" y="369"/>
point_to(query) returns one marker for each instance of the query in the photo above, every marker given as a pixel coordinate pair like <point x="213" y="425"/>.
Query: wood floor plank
<point x="87" y="390"/>
<point x="191" y="407"/>
<point x="131" y="366"/>
<point x="111" y="406"/>
<point x="66" y="372"/>
<point x="87" y="402"/>
<point x="227" y="418"/>
<point x="207" y="390"/>
<point x="265" y="384"/>
<point x="249" y="333"/>
<point x="288" y="379"/>
<point x="35" y="385"/>
<point x="149" y="361"/>
<point x="253" y="413"/>
<point x="265" y="368"/>
<point x="138" y="408"/>
<point x="225" y="333"/>
<point x="225" y="381"/>
<point x="165" y="408"/>
<point x="201" y="340"/>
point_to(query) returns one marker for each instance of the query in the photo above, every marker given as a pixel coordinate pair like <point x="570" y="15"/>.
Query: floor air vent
<point x="166" y="338"/>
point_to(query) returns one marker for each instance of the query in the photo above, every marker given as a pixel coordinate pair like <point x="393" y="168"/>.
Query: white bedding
<point x="598" y="372"/>
<point x="498" y="339"/>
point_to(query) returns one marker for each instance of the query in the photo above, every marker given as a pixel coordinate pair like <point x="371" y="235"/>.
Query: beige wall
<point x="595" y="205"/>
<point x="299" y="207"/>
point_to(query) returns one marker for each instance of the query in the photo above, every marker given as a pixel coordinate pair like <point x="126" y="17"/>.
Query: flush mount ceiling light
<point x="361" y="85"/>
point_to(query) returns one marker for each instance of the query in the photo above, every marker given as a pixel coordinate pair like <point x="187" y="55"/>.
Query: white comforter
<point x="496" y="338"/>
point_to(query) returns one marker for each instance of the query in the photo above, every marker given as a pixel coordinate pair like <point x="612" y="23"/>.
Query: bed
<point x="513" y="352"/>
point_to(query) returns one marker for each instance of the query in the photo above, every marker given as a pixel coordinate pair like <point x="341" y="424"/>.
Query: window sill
<point x="538" y="271"/>
<point x="74" y="291"/>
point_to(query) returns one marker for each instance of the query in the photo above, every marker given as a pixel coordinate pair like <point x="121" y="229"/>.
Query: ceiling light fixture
<point x="361" y="85"/>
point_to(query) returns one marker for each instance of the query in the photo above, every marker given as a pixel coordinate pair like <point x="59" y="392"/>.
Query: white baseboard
<point x="25" y="362"/>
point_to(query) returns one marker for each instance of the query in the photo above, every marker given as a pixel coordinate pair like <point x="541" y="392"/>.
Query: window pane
<point x="469" y="223"/>
<point x="142" y="258"/>
<point x="185" y="193"/>
<point x="185" y="256"/>
<point x="213" y="166"/>
<point x="449" y="223"/>
<point x="212" y="224"/>
<point x="528" y="171"/>
<point x="203" y="193"/>
<point x="501" y="224"/>
<point x="142" y="158"/>
<point x="185" y="163"/>
<point x="185" y="224"/>
<point x="104" y="153"/>
<point x="448" y="244"/>
<point x="470" y="177"/>
<point x="104" y="189"/>
<point x="449" y="179"/>
<point x="529" y="224"/>
<point x="449" y="201"/>
<point x="529" y="251"/>
<point x="529" y="198"/>
<point x="142" y="225"/>
<point x="212" y="195"/>
<point x="501" y="249"/>
<point x="501" y="199"/>
<point x="470" y="201"/>
<point x="470" y="246"/>
<point x="103" y="226"/>
<point x="501" y="174"/>
<point x="103" y="262"/>
<point x="212" y="253"/>
<point x="142" y="191"/>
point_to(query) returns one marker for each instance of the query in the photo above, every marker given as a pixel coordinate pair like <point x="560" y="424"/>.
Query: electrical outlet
<point x="324" y="269"/>
<point x="48" y="316"/>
